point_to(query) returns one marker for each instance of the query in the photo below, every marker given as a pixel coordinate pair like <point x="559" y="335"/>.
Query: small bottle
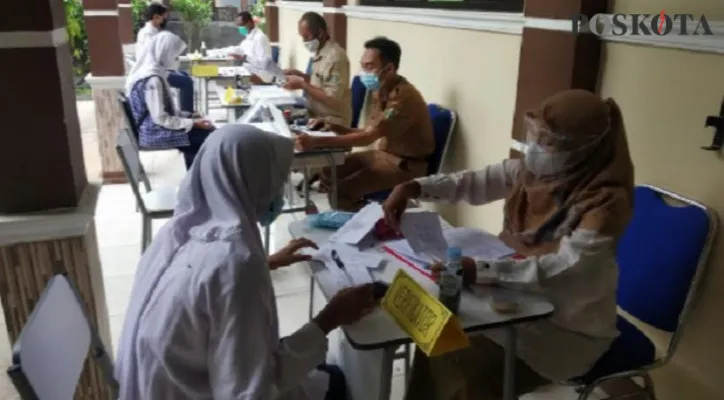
<point x="451" y="280"/>
<point x="239" y="82"/>
<point x="203" y="49"/>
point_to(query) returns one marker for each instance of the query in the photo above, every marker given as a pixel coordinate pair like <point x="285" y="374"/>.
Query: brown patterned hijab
<point x="594" y="189"/>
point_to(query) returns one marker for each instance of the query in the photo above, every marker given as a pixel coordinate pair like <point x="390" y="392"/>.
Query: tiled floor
<point x="119" y="232"/>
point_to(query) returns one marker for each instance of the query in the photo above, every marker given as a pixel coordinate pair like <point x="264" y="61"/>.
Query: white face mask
<point x="312" y="45"/>
<point x="543" y="163"/>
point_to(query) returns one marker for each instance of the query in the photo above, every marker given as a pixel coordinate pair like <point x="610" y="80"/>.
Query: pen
<point x="340" y="264"/>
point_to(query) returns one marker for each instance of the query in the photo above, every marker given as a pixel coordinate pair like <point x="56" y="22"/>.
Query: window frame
<point x="513" y="6"/>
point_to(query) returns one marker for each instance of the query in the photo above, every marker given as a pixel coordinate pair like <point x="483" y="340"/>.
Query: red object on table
<point x="384" y="233"/>
<point x="407" y="262"/>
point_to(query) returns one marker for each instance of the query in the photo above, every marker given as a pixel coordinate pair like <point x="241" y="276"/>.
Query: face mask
<point x="163" y="23"/>
<point x="244" y="30"/>
<point x="275" y="209"/>
<point x="370" y="80"/>
<point x="543" y="163"/>
<point x="312" y="45"/>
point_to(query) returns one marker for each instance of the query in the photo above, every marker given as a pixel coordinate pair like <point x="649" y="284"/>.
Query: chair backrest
<point x="136" y="174"/>
<point x="443" y="126"/>
<point x="50" y="352"/>
<point x="128" y="114"/>
<point x="662" y="256"/>
<point x="275" y="53"/>
<point x="359" y="92"/>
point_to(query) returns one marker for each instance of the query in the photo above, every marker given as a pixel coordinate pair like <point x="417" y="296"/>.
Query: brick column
<point x="125" y="26"/>
<point x="336" y="21"/>
<point x="552" y="60"/>
<point x="41" y="160"/>
<point x="271" y="13"/>
<point x="106" y="79"/>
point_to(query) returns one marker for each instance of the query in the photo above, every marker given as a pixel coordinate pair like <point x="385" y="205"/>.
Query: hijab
<point x="594" y="189"/>
<point x="155" y="57"/>
<point x="237" y="173"/>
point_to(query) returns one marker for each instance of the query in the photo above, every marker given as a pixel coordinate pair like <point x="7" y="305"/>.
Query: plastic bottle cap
<point x="454" y="253"/>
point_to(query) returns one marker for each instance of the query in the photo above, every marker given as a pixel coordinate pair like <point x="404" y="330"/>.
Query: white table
<point x="224" y="73"/>
<point x="380" y="332"/>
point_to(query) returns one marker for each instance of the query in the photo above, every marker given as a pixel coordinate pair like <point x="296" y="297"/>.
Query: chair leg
<point x="408" y="362"/>
<point x="584" y="392"/>
<point x="145" y="232"/>
<point x="311" y="297"/>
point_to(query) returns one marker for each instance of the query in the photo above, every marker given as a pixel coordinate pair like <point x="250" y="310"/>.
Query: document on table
<point x="424" y="234"/>
<point x="356" y="265"/>
<point x="359" y="226"/>
<point x="266" y="68"/>
<point x="350" y="256"/>
<point x="314" y="133"/>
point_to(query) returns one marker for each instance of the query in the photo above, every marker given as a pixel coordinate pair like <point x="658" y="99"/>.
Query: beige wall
<point x="665" y="95"/>
<point x="292" y="53"/>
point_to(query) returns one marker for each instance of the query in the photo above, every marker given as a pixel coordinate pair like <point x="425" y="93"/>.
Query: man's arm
<point x="335" y="81"/>
<point x="354" y="138"/>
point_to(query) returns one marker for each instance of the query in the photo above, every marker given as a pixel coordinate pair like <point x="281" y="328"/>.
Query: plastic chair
<point x="49" y="354"/>
<point x="275" y="53"/>
<point x="128" y="114"/>
<point x="153" y="204"/>
<point x="662" y="257"/>
<point x="443" y="125"/>
<point x="359" y="93"/>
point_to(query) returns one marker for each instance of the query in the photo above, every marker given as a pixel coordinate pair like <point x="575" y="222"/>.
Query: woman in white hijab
<point x="202" y="322"/>
<point x="160" y="124"/>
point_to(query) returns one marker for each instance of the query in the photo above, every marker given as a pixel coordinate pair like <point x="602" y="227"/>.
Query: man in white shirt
<point x="255" y="47"/>
<point x="156" y="19"/>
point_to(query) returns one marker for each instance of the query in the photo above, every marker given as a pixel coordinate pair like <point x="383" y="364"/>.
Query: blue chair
<point x="443" y="125"/>
<point x="359" y="92"/>
<point x="662" y="258"/>
<point x="275" y="53"/>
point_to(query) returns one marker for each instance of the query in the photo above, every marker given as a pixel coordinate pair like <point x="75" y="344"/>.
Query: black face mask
<point x="163" y="23"/>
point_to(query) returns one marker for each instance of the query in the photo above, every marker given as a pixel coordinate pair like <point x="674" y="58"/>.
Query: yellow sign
<point x="204" y="70"/>
<point x="433" y="328"/>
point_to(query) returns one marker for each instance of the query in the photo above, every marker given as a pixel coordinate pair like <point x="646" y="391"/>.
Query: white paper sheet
<point x="350" y="256"/>
<point x="266" y="68"/>
<point x="424" y="234"/>
<point x="359" y="226"/>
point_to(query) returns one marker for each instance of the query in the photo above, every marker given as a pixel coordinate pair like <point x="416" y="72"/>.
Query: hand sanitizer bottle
<point x="451" y="280"/>
<point x="203" y="48"/>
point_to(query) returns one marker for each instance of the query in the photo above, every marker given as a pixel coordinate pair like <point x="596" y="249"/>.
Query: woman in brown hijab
<point x="566" y="205"/>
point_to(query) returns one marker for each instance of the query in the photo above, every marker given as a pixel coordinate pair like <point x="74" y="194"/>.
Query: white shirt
<point x="580" y="280"/>
<point x="255" y="46"/>
<point x="144" y="34"/>
<point x="154" y="95"/>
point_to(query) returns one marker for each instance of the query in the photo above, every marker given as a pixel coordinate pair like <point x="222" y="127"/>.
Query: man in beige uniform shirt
<point x="398" y="117"/>
<point x="328" y="85"/>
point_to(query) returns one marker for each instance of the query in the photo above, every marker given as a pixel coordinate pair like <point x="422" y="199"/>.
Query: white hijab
<point x="156" y="57"/>
<point x="237" y="173"/>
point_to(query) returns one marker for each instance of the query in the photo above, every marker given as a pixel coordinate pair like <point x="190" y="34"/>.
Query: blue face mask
<point x="244" y="30"/>
<point x="275" y="209"/>
<point x="370" y="80"/>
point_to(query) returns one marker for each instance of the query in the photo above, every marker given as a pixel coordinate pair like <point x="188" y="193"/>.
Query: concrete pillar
<point x="107" y="77"/>
<point x="125" y="26"/>
<point x="336" y="21"/>
<point x="555" y="60"/>
<point x="271" y="12"/>
<point x="46" y="206"/>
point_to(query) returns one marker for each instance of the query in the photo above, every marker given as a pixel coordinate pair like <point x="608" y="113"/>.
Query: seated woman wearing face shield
<point x="202" y="322"/>
<point x="160" y="125"/>
<point x="567" y="203"/>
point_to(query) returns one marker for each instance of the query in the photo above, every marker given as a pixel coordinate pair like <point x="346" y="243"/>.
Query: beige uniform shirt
<point x="330" y="71"/>
<point x="400" y="114"/>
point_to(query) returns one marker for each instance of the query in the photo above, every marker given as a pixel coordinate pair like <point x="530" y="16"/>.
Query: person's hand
<point x="293" y="72"/>
<point x="238" y="57"/>
<point x="470" y="272"/>
<point x="293" y="82"/>
<point x="203" y="124"/>
<point x="304" y="142"/>
<point x="195" y="115"/>
<point x="288" y="254"/>
<point x="316" y="124"/>
<point x="396" y="203"/>
<point x="346" y="307"/>
<point x="336" y="128"/>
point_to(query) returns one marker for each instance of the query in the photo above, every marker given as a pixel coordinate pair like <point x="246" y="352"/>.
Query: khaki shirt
<point x="330" y="71"/>
<point x="401" y="116"/>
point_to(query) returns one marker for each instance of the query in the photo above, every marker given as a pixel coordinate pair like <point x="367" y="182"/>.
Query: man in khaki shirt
<point x="328" y="85"/>
<point x="400" y="120"/>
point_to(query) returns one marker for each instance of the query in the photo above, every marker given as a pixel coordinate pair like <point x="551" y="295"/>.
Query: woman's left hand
<point x="470" y="273"/>
<point x="288" y="254"/>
